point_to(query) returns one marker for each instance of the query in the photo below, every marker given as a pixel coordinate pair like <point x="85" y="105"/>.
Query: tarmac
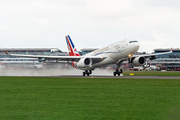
<point x="118" y="77"/>
<point x="115" y="77"/>
<point x="73" y="73"/>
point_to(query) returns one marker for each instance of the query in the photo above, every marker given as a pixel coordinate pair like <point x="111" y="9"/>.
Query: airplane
<point x="114" y="53"/>
<point x="145" y="68"/>
<point x="148" y="66"/>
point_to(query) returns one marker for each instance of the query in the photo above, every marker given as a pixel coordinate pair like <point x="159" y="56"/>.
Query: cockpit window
<point x="133" y="41"/>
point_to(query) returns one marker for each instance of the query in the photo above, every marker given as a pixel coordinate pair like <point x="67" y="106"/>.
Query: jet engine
<point x="84" y="62"/>
<point x="138" y="61"/>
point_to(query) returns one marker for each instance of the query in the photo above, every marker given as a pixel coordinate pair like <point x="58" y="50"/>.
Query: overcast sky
<point x="90" y="23"/>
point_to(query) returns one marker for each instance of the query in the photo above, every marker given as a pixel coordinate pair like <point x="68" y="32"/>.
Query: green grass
<point x="152" y="73"/>
<point x="26" y="98"/>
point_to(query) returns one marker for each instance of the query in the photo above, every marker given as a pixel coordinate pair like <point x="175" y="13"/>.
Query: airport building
<point x="167" y="61"/>
<point x="87" y="50"/>
<point x="30" y="51"/>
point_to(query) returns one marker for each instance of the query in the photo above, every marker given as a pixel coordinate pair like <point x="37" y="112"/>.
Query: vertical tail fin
<point x="71" y="48"/>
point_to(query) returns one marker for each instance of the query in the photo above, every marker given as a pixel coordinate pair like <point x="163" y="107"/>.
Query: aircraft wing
<point x="95" y="59"/>
<point x="152" y="56"/>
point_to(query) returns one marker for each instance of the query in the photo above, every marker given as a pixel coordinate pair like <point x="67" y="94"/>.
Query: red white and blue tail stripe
<point x="71" y="48"/>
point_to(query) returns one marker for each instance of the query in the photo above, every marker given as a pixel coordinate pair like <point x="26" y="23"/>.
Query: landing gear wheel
<point x="118" y="72"/>
<point x="84" y="74"/>
<point x="87" y="72"/>
<point x="121" y="71"/>
<point x="90" y="71"/>
<point x="114" y="73"/>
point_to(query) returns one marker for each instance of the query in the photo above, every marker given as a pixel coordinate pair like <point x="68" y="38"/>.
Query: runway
<point x="118" y="77"/>
<point x="107" y="77"/>
<point x="73" y="73"/>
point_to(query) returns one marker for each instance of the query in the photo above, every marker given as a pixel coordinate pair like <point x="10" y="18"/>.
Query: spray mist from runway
<point x="51" y="72"/>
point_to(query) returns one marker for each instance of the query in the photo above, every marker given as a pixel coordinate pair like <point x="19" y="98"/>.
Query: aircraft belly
<point x="107" y="61"/>
<point x="118" y="56"/>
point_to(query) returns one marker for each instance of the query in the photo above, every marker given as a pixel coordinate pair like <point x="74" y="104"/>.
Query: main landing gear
<point x="87" y="72"/>
<point x="117" y="72"/>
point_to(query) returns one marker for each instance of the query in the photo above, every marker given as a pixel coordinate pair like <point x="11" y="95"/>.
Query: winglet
<point x="6" y="52"/>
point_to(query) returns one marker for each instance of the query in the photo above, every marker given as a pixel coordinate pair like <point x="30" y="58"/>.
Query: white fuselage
<point x="114" y="53"/>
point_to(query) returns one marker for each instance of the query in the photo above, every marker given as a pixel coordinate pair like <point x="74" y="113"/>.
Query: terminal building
<point x="86" y="50"/>
<point x="167" y="61"/>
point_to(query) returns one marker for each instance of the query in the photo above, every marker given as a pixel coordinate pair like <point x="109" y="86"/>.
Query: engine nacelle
<point x="138" y="61"/>
<point x="84" y="62"/>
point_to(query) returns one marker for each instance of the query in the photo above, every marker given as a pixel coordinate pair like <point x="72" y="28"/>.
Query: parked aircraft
<point x="115" y="53"/>
<point x="146" y="67"/>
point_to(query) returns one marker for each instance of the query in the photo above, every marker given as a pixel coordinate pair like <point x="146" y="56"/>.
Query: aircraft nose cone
<point x="136" y="46"/>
